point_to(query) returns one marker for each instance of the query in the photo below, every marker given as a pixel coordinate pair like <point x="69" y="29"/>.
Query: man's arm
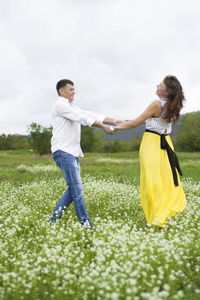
<point x="66" y="111"/>
<point x="107" y="129"/>
<point x="109" y="121"/>
<point x="112" y="121"/>
<point x="100" y="118"/>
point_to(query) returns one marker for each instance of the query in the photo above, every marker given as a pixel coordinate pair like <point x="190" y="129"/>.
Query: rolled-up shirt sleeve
<point x="73" y="113"/>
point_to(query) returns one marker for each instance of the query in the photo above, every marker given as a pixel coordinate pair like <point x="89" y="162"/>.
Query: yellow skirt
<point x="159" y="197"/>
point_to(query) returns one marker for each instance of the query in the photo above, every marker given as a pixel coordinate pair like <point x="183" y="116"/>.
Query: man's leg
<point x="78" y="195"/>
<point x="73" y="180"/>
<point x="62" y="205"/>
<point x="66" y="199"/>
<point x="70" y="167"/>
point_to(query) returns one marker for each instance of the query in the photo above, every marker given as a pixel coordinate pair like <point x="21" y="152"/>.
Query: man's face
<point x="68" y="92"/>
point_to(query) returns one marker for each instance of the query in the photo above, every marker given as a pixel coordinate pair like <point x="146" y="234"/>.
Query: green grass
<point x="95" y="164"/>
<point x="9" y="160"/>
<point x="122" y="259"/>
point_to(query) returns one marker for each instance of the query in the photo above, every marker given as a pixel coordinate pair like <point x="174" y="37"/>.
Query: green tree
<point x="40" y="138"/>
<point x="99" y="142"/>
<point x="20" y="142"/>
<point x="134" y="144"/>
<point x="87" y="138"/>
<point x="188" y="133"/>
<point x="12" y="142"/>
<point x="3" y="140"/>
<point x="116" y="147"/>
<point x="107" y="147"/>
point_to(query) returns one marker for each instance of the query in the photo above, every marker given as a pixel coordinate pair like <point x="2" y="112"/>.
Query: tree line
<point x="13" y="142"/>
<point x="186" y="138"/>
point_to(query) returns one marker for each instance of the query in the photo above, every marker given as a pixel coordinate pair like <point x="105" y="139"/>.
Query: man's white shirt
<point x="67" y="119"/>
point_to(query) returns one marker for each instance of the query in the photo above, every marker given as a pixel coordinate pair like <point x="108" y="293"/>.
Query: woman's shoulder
<point x="156" y="103"/>
<point x="162" y="101"/>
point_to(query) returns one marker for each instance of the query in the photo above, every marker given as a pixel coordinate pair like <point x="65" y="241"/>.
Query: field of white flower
<point x="121" y="259"/>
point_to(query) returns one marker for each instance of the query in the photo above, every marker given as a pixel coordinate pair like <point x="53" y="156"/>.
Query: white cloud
<point x="115" y="51"/>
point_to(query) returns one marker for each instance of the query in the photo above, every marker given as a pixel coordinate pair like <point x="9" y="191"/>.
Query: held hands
<point x="113" y="129"/>
<point x="109" y="129"/>
<point x="119" y="124"/>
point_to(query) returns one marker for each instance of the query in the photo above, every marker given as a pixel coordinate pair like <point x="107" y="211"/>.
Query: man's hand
<point x="109" y="129"/>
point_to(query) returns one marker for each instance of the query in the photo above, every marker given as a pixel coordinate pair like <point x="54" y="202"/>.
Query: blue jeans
<point x="70" y="167"/>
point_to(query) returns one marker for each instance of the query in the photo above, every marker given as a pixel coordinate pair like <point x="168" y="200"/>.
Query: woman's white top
<point x="158" y="124"/>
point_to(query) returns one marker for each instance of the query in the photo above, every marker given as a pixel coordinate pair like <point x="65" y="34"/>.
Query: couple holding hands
<point x="161" y="192"/>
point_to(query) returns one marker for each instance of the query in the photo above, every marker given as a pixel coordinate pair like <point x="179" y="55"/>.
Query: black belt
<point x="173" y="160"/>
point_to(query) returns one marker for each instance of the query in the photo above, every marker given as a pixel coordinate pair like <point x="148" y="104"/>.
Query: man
<point x="65" y="146"/>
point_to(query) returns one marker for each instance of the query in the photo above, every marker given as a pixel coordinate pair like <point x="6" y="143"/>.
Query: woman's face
<point x="161" y="90"/>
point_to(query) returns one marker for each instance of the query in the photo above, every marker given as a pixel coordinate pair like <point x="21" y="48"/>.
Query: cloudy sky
<point x="115" y="51"/>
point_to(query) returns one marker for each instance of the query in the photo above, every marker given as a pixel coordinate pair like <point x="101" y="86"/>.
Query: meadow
<point x="122" y="258"/>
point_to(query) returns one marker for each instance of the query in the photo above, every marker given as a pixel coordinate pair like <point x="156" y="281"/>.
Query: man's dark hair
<point x="62" y="83"/>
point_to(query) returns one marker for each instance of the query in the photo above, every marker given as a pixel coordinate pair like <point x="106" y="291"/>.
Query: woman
<point x="161" y="192"/>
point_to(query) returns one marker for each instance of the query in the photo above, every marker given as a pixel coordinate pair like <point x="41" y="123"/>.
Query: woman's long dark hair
<point x="175" y="97"/>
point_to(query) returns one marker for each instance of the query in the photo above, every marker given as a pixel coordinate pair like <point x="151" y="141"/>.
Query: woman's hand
<point x="120" y="125"/>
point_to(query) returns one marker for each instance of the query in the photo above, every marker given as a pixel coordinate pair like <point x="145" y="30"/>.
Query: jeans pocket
<point x="57" y="158"/>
